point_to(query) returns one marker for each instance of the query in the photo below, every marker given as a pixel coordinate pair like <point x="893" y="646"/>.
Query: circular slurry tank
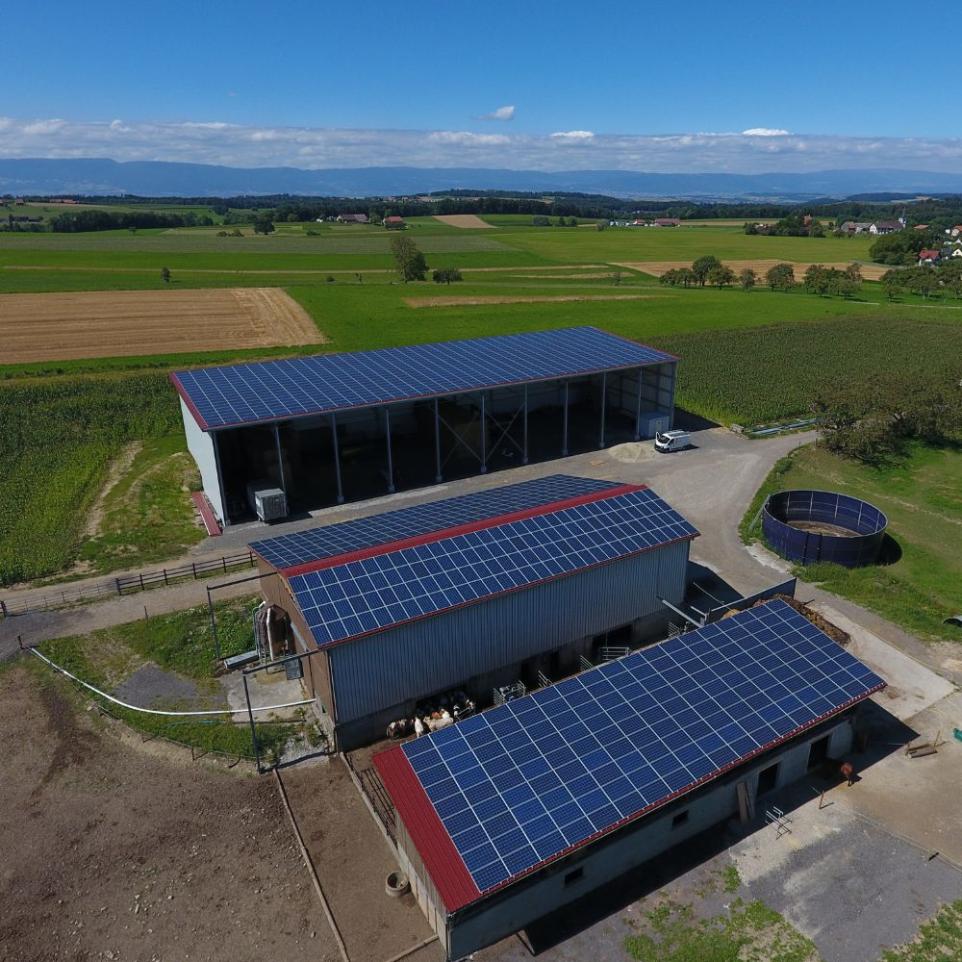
<point x="811" y="526"/>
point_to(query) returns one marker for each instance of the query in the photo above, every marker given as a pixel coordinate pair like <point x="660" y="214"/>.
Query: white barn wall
<point x="201" y="446"/>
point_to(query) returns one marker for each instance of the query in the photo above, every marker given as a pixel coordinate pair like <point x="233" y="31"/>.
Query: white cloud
<point x="465" y="138"/>
<point x="572" y="136"/>
<point x="765" y="132"/>
<point x="502" y="113"/>
<point x="237" y="145"/>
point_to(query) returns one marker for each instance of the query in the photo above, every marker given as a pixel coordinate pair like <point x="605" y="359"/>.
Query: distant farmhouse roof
<point x="889" y="225"/>
<point x="666" y="222"/>
<point x="353" y="218"/>
<point x="929" y="255"/>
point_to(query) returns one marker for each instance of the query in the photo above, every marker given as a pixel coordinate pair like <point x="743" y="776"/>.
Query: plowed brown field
<point x="60" y="327"/>
<point x="466" y="221"/>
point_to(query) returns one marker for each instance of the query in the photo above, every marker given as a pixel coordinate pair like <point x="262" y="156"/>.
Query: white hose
<point x="156" y="711"/>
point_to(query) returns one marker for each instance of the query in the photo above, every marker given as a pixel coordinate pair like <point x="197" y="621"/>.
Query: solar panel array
<point x="327" y="541"/>
<point x="375" y="593"/>
<point x="524" y="782"/>
<point x="272" y="390"/>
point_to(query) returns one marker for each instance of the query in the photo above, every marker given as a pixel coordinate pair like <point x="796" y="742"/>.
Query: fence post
<point x="224" y="562"/>
<point x="117" y="583"/>
<point x="3" y="607"/>
<point x="193" y="566"/>
<point x="166" y="582"/>
<point x="141" y="581"/>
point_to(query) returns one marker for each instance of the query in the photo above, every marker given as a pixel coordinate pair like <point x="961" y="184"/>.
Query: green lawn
<point x="180" y="643"/>
<point x="147" y="516"/>
<point x="922" y="497"/>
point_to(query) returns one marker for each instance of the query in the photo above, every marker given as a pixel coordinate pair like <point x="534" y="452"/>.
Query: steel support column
<point x="215" y="441"/>
<point x="641" y="385"/>
<point x="484" y="436"/>
<point x="280" y="460"/>
<point x="604" y="402"/>
<point x="524" y="454"/>
<point x="564" y="425"/>
<point x="337" y="460"/>
<point x="390" y="459"/>
<point x="437" y="443"/>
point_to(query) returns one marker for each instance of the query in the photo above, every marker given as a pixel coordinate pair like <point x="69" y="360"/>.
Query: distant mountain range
<point x="162" y="179"/>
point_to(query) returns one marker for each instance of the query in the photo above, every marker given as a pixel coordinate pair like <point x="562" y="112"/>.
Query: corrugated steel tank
<point x="791" y="521"/>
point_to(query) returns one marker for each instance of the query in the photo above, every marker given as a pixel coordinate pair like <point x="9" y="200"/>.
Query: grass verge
<point x="747" y="932"/>
<point x="179" y="642"/>
<point x="938" y="940"/>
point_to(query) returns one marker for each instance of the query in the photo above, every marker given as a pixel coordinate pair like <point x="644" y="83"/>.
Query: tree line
<point x="71" y="222"/>
<point x="710" y="271"/>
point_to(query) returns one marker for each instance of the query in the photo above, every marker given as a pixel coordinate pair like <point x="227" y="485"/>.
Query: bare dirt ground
<point x="871" y="272"/>
<point x="467" y="221"/>
<point x="45" y="327"/>
<point x="352" y="861"/>
<point x="114" y="850"/>
<point x="455" y="301"/>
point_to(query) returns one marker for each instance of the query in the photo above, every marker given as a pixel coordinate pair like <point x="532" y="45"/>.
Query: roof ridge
<point x="467" y="527"/>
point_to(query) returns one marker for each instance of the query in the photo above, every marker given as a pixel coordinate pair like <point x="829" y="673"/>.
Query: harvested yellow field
<point x="455" y="301"/>
<point x="465" y="221"/>
<point x="61" y="327"/>
<point x="871" y="272"/>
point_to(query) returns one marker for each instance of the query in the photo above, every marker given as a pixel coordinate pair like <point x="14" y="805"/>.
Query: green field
<point x="922" y="497"/>
<point x="748" y="357"/>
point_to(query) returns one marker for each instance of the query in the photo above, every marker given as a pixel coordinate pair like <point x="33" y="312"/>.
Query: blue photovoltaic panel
<point x="524" y="782"/>
<point x="327" y="541"/>
<point x="273" y="390"/>
<point x="375" y="593"/>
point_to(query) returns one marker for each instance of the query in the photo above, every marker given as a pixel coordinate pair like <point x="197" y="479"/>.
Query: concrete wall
<point x="201" y="446"/>
<point x="392" y="669"/>
<point x="499" y="916"/>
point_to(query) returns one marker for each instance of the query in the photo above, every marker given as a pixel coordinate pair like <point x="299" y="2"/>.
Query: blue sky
<point x="843" y="73"/>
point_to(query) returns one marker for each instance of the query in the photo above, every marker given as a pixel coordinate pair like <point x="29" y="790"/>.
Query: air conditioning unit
<point x="269" y="504"/>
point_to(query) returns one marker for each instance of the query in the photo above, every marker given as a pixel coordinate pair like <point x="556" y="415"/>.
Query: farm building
<point x="337" y="427"/>
<point x="471" y="593"/>
<point x="518" y="811"/>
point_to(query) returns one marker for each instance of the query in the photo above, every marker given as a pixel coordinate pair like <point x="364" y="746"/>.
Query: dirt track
<point x="466" y="221"/>
<point x="871" y="272"/>
<point x="48" y="327"/>
<point x="129" y="851"/>
<point x="480" y="300"/>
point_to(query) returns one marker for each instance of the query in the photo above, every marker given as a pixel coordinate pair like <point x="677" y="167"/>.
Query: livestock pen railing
<point x="374" y="793"/>
<point x="63" y="596"/>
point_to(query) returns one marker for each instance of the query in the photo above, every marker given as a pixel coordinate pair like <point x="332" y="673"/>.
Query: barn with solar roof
<point x="513" y="584"/>
<point x="324" y="429"/>
<point x="515" y="812"/>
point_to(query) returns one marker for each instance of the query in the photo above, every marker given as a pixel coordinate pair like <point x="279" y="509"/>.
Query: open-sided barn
<point x="513" y="813"/>
<point x="472" y="593"/>
<point x="337" y="427"/>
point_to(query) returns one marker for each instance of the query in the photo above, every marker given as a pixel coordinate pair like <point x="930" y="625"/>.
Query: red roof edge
<point x="432" y="536"/>
<point x="185" y="397"/>
<point x="419" y="808"/>
<point x="438" y="853"/>
<point x="206" y="513"/>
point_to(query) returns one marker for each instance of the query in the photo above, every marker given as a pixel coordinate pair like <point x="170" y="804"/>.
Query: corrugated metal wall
<point x="444" y="651"/>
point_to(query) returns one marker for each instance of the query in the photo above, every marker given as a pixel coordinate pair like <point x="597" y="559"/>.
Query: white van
<point x="672" y="441"/>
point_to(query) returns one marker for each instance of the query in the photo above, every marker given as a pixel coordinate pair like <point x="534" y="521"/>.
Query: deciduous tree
<point x="411" y="265"/>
